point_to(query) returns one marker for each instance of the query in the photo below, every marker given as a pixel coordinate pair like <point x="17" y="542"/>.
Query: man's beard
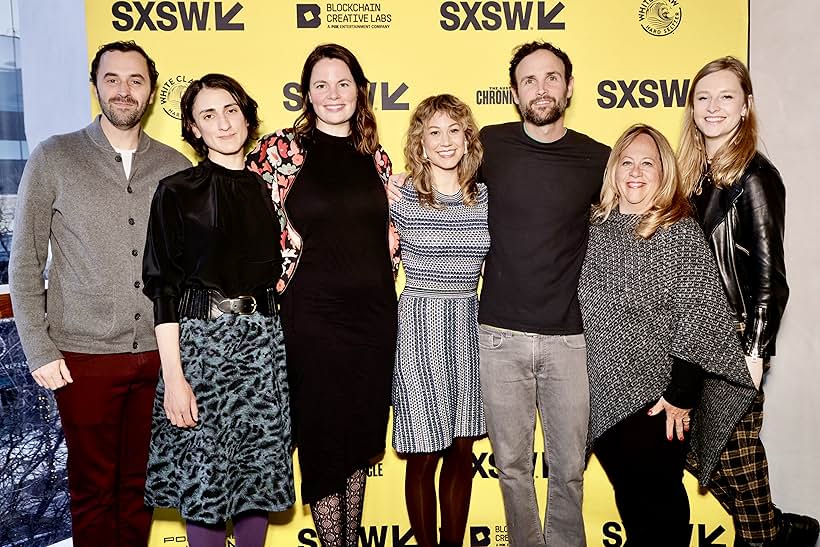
<point x="551" y="116"/>
<point x="126" y="119"/>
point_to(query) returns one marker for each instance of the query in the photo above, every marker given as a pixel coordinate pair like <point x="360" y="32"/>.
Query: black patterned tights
<point x="337" y="517"/>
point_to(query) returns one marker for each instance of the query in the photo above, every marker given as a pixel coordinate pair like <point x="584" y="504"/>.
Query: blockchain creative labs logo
<point x="659" y="17"/>
<point x="488" y="535"/>
<point x="308" y="16"/>
<point x="494" y="95"/>
<point x="343" y="15"/>
<point x="170" y="95"/>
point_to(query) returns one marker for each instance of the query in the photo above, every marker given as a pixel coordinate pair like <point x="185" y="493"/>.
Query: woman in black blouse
<point x="339" y="309"/>
<point x="220" y="447"/>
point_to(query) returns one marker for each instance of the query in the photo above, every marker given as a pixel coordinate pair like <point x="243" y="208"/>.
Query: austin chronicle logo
<point x="659" y="17"/>
<point x="307" y="16"/>
<point x="170" y="95"/>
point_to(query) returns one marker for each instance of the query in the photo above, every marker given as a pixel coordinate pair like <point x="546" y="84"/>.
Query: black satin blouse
<point x="210" y="227"/>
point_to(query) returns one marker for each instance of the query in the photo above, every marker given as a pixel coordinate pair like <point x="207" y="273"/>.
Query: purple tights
<point x="249" y="528"/>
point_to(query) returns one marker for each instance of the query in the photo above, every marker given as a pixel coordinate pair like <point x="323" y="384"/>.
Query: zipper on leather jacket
<point x="759" y="324"/>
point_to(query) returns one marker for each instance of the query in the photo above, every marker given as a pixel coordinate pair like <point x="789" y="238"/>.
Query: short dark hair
<point x="216" y="81"/>
<point x="124" y="46"/>
<point x="525" y="49"/>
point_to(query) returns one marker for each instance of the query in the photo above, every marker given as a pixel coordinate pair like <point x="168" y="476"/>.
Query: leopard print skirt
<point x="238" y="457"/>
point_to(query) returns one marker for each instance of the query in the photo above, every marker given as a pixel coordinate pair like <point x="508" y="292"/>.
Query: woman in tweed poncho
<point x="665" y="367"/>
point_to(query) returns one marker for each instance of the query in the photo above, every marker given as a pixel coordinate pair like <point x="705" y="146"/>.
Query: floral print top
<point x="278" y="158"/>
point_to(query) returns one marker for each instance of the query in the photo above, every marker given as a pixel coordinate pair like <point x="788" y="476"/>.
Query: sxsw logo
<point x="368" y="536"/>
<point x="702" y="536"/>
<point x="380" y="95"/>
<point x="494" y="15"/>
<point x="167" y="16"/>
<point x="308" y="16"/>
<point x="642" y="93"/>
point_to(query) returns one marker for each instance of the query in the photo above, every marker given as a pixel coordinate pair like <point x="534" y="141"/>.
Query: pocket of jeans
<point x="488" y="339"/>
<point x="574" y="341"/>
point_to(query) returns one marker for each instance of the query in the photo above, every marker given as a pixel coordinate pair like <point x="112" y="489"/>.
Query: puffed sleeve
<point x="162" y="267"/>
<point x="762" y="223"/>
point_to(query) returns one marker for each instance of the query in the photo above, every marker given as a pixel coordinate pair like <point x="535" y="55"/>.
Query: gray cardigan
<point x="74" y="195"/>
<point x="644" y="301"/>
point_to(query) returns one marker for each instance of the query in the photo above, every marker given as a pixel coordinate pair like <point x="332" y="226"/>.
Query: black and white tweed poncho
<point x="644" y="301"/>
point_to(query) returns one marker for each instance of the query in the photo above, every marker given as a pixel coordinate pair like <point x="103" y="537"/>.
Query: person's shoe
<point x="796" y="530"/>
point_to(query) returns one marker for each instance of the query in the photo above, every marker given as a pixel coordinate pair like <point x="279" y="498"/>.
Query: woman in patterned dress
<point x="437" y="407"/>
<point x="662" y="354"/>
<point x="220" y="445"/>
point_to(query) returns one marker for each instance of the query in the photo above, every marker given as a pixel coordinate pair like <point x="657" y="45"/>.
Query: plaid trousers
<point x="741" y="481"/>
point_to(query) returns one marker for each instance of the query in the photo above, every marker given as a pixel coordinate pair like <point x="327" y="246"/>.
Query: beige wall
<point x="785" y="66"/>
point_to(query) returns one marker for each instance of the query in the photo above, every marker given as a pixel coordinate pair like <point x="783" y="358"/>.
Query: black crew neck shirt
<point x="539" y="202"/>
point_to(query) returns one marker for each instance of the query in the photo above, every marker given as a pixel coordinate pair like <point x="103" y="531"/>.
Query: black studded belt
<point x="197" y="303"/>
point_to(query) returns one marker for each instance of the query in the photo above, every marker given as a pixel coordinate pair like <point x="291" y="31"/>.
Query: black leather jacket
<point x="744" y="225"/>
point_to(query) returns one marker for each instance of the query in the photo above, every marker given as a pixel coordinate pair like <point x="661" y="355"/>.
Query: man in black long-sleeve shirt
<point x="542" y="179"/>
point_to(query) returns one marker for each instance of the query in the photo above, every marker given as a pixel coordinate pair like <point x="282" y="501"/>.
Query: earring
<point x="424" y="153"/>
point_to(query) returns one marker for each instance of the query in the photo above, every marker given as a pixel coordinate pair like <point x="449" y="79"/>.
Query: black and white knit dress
<point x="644" y="301"/>
<point x="436" y="387"/>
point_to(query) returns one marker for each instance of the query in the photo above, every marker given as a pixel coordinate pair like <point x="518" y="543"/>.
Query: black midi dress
<point x="339" y="315"/>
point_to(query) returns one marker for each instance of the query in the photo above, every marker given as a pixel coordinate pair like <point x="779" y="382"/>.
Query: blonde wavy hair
<point x="734" y="156"/>
<point x="419" y="167"/>
<point x="669" y="204"/>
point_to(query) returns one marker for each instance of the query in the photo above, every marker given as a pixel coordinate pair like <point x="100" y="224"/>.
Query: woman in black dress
<point x="220" y="445"/>
<point x="339" y="310"/>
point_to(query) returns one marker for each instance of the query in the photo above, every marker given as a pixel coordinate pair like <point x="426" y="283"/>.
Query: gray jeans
<point x="519" y="372"/>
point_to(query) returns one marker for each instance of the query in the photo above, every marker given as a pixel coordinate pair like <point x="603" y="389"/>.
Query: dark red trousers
<point x="106" y="417"/>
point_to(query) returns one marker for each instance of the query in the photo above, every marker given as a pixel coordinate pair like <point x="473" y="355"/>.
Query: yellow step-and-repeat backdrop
<point x="633" y="62"/>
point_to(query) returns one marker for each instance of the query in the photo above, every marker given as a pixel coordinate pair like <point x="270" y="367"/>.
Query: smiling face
<point x="718" y="109"/>
<point x="123" y="88"/>
<point x="638" y="175"/>
<point x="444" y="142"/>
<point x="333" y="96"/>
<point x="542" y="90"/>
<point x="219" y="121"/>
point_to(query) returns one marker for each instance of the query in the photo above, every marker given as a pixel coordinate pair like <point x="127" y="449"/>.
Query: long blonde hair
<point x="732" y="158"/>
<point x="669" y="204"/>
<point x="419" y="167"/>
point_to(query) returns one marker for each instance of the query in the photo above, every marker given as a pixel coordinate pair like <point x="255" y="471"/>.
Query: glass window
<point x="13" y="148"/>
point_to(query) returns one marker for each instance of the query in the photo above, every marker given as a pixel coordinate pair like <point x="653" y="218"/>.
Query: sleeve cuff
<point x="684" y="387"/>
<point x="165" y="310"/>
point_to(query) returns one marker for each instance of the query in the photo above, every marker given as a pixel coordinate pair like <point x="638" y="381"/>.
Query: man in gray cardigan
<point x="88" y="195"/>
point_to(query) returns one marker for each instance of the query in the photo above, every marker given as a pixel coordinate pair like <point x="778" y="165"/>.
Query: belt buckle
<point x="238" y="305"/>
